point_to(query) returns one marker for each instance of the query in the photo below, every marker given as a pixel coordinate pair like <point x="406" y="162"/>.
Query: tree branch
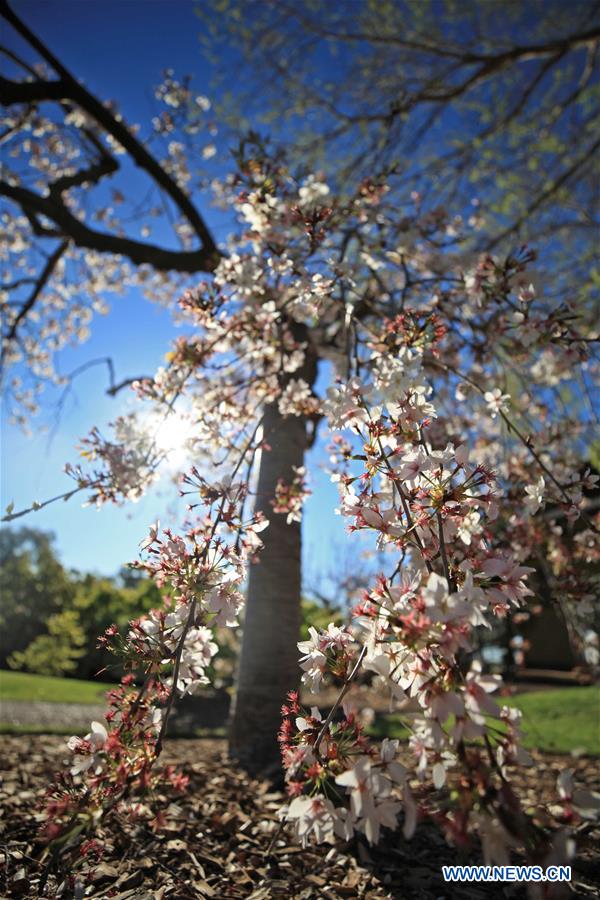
<point x="201" y="260"/>
<point x="436" y="49"/>
<point x="435" y="92"/>
<point x="106" y="165"/>
<point x="545" y="195"/>
<point x="30" y="91"/>
<point x="29" y="303"/>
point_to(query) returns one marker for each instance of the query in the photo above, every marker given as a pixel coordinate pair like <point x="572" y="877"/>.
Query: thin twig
<point x="338" y="702"/>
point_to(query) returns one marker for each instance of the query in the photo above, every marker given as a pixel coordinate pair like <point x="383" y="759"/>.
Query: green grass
<point x="561" y="721"/>
<point x="22" y="686"/>
<point x="66" y="730"/>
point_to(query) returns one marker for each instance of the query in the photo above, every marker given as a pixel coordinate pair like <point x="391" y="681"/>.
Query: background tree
<point x="54" y="653"/>
<point x="51" y="618"/>
<point x="34" y="587"/>
<point x="497" y="102"/>
<point x="102" y="602"/>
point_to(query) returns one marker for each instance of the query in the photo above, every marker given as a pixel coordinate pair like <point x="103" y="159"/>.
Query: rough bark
<point x="268" y="666"/>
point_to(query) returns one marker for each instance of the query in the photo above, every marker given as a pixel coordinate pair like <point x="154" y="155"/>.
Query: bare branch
<point x="40" y="284"/>
<point x="545" y="195"/>
<point x="30" y="91"/>
<point x="527" y="51"/>
<point x="114" y="389"/>
<point x="200" y="260"/>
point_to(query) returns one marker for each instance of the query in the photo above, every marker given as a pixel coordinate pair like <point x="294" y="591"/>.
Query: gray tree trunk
<point x="268" y="666"/>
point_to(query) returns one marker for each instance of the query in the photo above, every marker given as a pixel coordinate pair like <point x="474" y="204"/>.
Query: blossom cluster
<point x="412" y="632"/>
<point x="167" y="653"/>
<point x="128" y="463"/>
<point x="368" y="783"/>
<point x="289" y="498"/>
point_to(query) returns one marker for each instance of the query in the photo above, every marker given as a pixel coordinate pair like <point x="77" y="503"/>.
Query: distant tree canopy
<point x="51" y="617"/>
<point x="33" y="584"/>
<point x="494" y="101"/>
<point x="58" y="651"/>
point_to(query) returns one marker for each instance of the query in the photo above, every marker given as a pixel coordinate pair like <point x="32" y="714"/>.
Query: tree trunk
<point x="268" y="666"/>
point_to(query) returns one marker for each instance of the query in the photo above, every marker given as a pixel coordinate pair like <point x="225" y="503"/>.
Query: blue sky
<point x="120" y="50"/>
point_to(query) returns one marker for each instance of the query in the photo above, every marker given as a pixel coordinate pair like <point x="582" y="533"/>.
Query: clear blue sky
<point x="119" y="48"/>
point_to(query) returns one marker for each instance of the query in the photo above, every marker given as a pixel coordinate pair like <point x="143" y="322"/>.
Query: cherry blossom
<point x="435" y="465"/>
<point x="535" y="495"/>
<point x="496" y="401"/>
<point x="86" y="750"/>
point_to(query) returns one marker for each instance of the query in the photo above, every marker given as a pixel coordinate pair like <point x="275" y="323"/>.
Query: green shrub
<point x="54" y="653"/>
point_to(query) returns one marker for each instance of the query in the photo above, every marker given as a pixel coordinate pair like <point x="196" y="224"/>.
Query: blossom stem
<point x="178" y="654"/>
<point x="37" y="506"/>
<point x="526" y="443"/>
<point x="340" y="697"/>
<point x="443" y="553"/>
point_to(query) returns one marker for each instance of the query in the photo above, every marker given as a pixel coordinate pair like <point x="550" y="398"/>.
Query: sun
<point x="171" y="434"/>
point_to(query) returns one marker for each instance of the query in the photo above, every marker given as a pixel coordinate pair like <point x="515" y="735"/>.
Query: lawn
<point x="561" y="721"/>
<point x="22" y="686"/>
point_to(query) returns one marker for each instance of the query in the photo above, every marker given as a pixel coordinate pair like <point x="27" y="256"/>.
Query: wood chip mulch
<point x="218" y="845"/>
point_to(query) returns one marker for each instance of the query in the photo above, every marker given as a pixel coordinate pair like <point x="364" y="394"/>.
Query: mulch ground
<point x="218" y="847"/>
